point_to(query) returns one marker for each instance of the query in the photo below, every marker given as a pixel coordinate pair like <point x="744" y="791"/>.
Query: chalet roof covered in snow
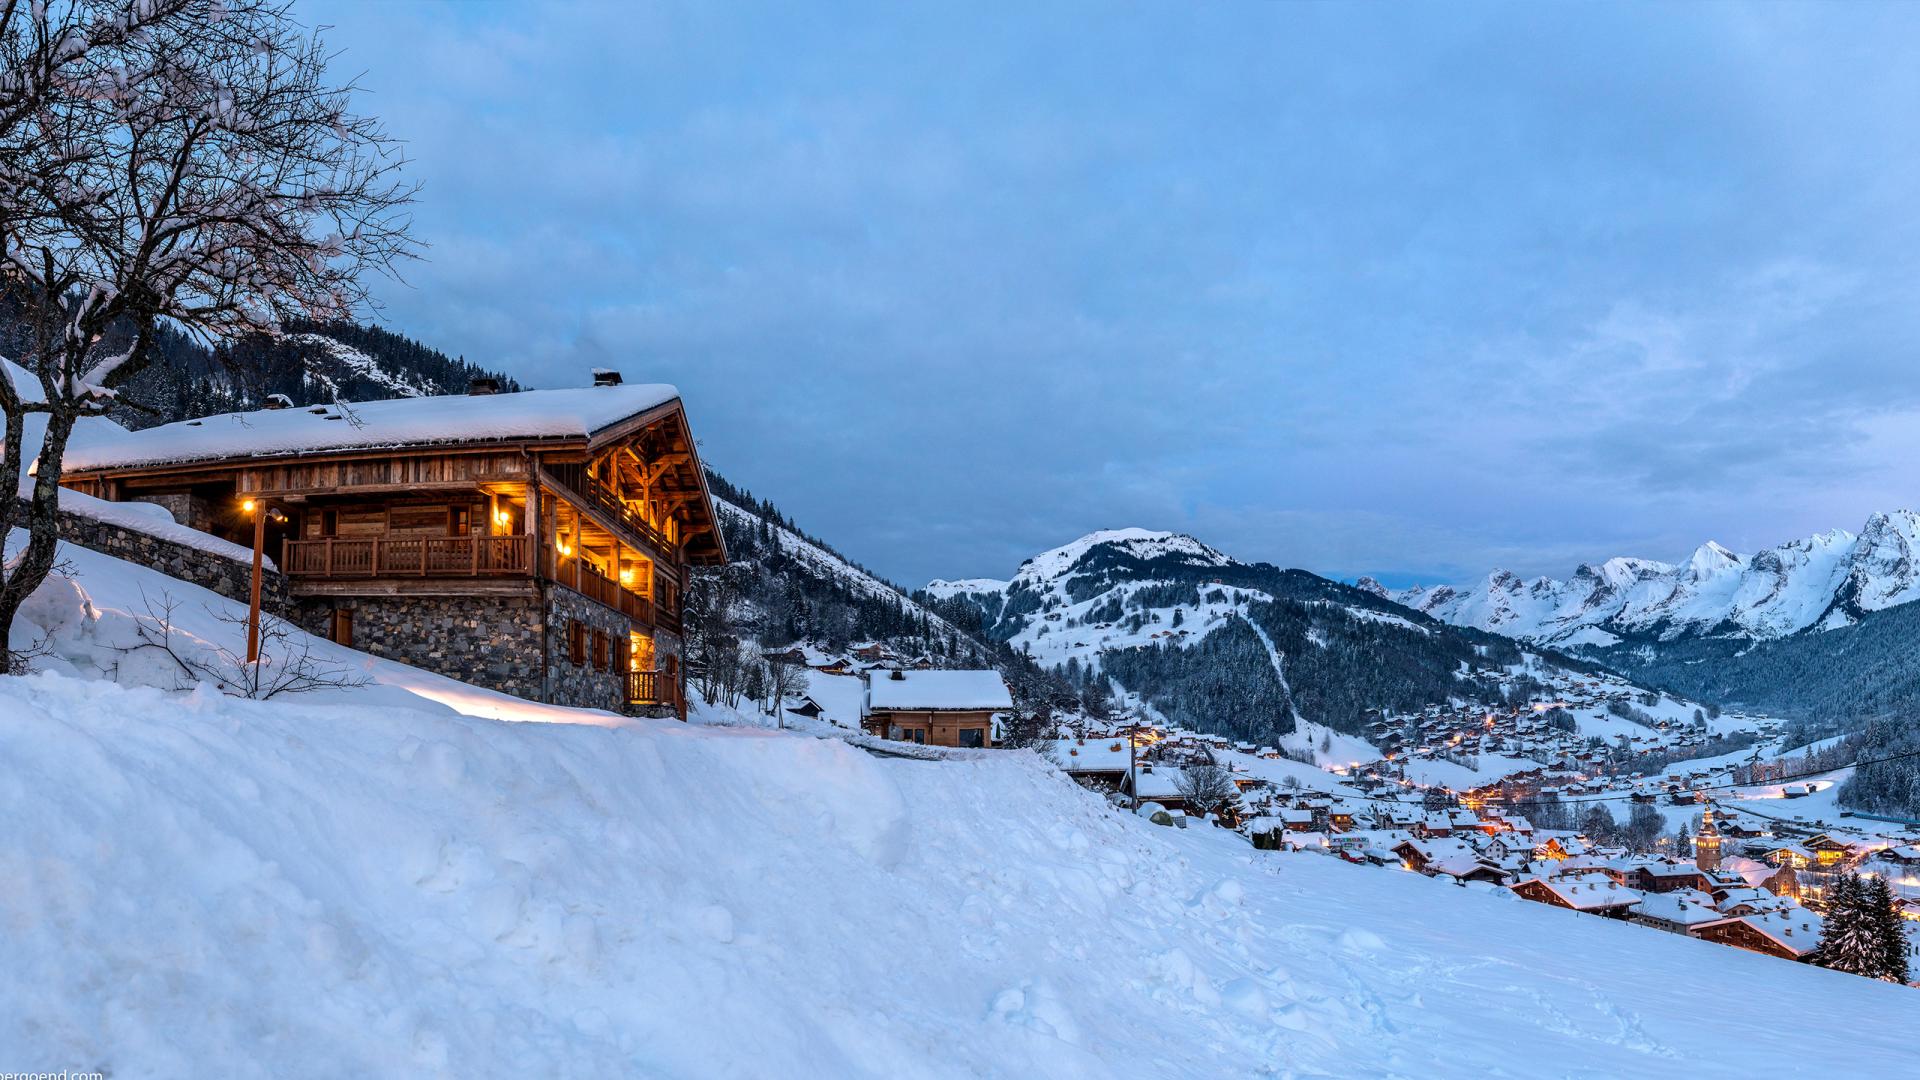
<point x="938" y="690"/>
<point x="573" y="413"/>
<point x="1590" y="895"/>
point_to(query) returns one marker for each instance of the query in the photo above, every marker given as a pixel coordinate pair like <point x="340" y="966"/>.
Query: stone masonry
<point x="231" y="578"/>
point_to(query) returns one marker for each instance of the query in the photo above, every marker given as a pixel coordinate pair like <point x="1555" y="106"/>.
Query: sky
<point x="1401" y="290"/>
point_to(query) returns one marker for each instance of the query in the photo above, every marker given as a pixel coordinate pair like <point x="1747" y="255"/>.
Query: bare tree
<point x="1207" y="787"/>
<point x="786" y="678"/>
<point x="183" y="161"/>
<point x="288" y="663"/>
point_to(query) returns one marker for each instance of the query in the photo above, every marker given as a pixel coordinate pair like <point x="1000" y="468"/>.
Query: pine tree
<point x="1889" y="937"/>
<point x="1846" y="940"/>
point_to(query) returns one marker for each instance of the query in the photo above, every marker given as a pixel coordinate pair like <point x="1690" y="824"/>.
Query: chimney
<point x="483" y="385"/>
<point x="605" y="377"/>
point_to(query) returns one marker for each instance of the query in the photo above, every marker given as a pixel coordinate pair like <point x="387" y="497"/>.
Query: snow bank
<point x="90" y="612"/>
<point x="195" y="882"/>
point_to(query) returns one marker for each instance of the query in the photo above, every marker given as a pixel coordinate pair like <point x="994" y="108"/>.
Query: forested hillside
<point x="310" y="363"/>
<point x="1868" y="669"/>
<point x="1243" y="649"/>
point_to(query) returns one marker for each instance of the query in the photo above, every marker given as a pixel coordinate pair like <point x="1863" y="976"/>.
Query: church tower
<point x="1706" y="845"/>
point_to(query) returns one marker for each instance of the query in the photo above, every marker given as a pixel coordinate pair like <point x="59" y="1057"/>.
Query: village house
<point x="1595" y="896"/>
<point x="937" y="708"/>
<point x="1446" y="857"/>
<point x="1790" y="934"/>
<point x="1095" y="762"/>
<point x="535" y="543"/>
<point x="1676" y="912"/>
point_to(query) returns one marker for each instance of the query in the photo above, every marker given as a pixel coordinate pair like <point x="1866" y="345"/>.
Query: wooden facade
<point x="618" y="517"/>
<point x="933" y="727"/>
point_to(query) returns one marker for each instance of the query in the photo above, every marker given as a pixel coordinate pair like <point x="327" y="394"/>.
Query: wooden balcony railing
<point x="602" y="498"/>
<point x="644" y="688"/>
<point x="425" y="556"/>
<point x="596" y="586"/>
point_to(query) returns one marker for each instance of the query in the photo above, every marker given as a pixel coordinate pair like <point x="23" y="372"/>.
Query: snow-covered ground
<point x="372" y="882"/>
<point x="200" y="883"/>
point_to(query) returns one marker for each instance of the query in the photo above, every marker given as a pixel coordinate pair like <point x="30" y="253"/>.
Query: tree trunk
<point x="26" y="572"/>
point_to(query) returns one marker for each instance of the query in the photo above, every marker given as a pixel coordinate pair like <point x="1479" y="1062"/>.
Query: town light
<point x="248" y="505"/>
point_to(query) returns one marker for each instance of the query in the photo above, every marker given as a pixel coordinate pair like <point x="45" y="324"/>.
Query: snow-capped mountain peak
<point x="1828" y="579"/>
<point x="1142" y="544"/>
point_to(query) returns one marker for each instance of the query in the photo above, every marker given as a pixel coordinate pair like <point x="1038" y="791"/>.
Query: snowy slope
<point x="224" y="887"/>
<point x="1826" y="580"/>
<point x="1247" y="650"/>
<point x="347" y="362"/>
<point x="797" y="554"/>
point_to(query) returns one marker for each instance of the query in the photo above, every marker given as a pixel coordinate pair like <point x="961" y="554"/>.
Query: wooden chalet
<point x="936" y="708"/>
<point x="1591" y="896"/>
<point x="537" y="543"/>
<point x="1790" y="935"/>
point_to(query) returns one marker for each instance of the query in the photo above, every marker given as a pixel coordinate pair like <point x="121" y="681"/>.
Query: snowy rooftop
<point x="1090" y="755"/>
<point x="1592" y="895"/>
<point x="959" y="690"/>
<point x="574" y="413"/>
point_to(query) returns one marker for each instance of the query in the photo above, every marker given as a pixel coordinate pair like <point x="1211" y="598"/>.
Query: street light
<point x="260" y="512"/>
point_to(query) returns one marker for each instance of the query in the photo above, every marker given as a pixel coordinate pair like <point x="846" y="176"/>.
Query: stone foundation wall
<point x="230" y="578"/>
<point x="581" y="684"/>
<point x="490" y="641"/>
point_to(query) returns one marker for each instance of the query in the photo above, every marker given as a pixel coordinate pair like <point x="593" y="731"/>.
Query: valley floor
<point x="196" y="885"/>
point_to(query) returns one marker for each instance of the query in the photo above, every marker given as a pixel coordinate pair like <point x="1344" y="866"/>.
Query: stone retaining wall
<point x="230" y="578"/>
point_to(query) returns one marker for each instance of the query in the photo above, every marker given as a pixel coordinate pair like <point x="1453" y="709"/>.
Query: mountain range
<point x="1825" y="581"/>
<point x="1244" y="649"/>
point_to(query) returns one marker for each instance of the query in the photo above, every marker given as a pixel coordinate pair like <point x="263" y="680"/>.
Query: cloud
<point x="1417" y="292"/>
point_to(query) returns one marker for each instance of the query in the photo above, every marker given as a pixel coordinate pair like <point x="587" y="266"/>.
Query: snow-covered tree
<point x="1889" y="936"/>
<point x="181" y="163"/>
<point x="1847" y="938"/>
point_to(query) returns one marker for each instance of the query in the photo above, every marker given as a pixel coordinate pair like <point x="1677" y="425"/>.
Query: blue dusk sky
<point x="1402" y="290"/>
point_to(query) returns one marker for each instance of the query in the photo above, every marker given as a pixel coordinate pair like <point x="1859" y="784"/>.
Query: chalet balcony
<point x="426" y="556"/>
<point x="598" y="587"/>
<point x="649" y="688"/>
<point x="600" y="497"/>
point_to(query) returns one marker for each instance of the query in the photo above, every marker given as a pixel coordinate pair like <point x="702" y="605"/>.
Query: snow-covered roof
<point x="1797" y="930"/>
<point x="1161" y="783"/>
<point x="1682" y="907"/>
<point x="1091" y="755"/>
<point x="956" y="690"/>
<point x="1592" y="894"/>
<point x="838" y="696"/>
<point x="573" y="413"/>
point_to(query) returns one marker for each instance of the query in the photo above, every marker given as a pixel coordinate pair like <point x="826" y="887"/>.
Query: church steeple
<point x="1706" y="845"/>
